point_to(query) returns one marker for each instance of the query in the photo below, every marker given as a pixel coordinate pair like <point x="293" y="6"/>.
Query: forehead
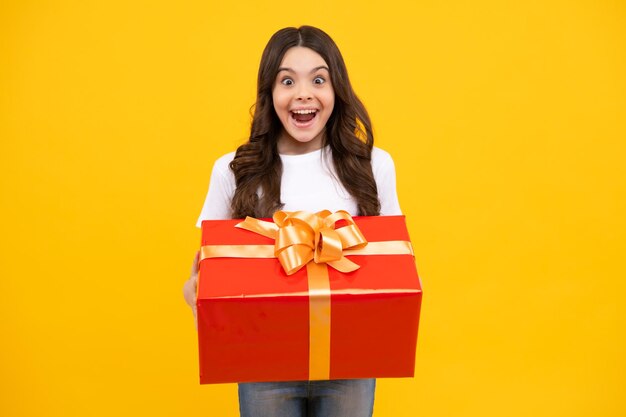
<point x="301" y="59"/>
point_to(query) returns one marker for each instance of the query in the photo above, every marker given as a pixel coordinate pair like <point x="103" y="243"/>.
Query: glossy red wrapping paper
<point x="253" y="319"/>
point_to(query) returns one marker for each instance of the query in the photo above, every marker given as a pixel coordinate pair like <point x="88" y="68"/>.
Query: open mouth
<point x="303" y="117"/>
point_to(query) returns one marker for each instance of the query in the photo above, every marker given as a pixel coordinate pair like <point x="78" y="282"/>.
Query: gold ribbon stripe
<point x="390" y="247"/>
<point x="319" y="321"/>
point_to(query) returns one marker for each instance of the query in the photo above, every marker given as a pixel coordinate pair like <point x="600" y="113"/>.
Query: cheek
<point x="280" y="103"/>
<point x="329" y="101"/>
<point x="328" y="96"/>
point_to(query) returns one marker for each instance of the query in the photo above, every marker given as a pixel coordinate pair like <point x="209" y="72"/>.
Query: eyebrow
<point x="312" y="71"/>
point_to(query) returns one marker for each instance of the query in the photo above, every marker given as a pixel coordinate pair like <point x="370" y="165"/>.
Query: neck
<point x="287" y="145"/>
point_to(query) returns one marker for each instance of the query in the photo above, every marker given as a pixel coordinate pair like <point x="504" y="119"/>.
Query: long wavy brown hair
<point x="257" y="165"/>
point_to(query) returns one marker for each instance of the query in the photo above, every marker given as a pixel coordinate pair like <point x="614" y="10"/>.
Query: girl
<point x="310" y="148"/>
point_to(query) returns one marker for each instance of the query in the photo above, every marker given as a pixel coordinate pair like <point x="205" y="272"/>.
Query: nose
<point x="303" y="93"/>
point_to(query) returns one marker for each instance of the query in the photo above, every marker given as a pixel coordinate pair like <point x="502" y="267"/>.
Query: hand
<point x="190" y="288"/>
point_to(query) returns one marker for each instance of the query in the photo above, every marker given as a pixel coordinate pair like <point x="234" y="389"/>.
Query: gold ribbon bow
<point x="299" y="238"/>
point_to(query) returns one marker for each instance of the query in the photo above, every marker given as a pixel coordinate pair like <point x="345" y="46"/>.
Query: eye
<point x="319" y="80"/>
<point x="286" y="81"/>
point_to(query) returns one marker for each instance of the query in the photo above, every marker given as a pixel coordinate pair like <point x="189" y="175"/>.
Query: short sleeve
<point x="385" y="176"/>
<point x="221" y="189"/>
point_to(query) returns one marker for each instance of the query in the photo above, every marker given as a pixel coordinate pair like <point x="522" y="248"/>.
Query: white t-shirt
<point x="309" y="182"/>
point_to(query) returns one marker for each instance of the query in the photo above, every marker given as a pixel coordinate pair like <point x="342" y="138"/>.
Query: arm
<point x="221" y="190"/>
<point x="385" y="175"/>
<point x="216" y="206"/>
<point x="189" y="289"/>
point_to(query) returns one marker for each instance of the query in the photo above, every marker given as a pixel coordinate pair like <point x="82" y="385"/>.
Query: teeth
<point x="307" y="111"/>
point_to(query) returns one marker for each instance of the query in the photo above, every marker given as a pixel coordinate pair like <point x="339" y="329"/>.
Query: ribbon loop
<point x="293" y="235"/>
<point x="327" y="246"/>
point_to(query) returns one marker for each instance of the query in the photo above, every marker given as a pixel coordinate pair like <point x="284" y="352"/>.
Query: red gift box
<point x="256" y="323"/>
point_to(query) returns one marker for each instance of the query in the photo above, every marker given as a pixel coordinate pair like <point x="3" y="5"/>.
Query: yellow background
<point x="506" y="121"/>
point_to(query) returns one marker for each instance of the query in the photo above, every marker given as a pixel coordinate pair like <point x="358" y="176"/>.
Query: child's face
<point x="303" y="99"/>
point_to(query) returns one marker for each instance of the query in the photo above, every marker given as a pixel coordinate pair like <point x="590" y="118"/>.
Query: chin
<point x="304" y="138"/>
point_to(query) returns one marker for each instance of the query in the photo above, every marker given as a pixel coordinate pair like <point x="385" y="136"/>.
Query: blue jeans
<point x="337" y="398"/>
